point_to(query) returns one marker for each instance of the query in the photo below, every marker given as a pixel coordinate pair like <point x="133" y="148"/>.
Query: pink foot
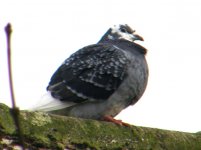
<point x="118" y="122"/>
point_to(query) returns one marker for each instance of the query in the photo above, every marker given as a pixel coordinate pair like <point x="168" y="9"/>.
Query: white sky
<point x="47" y="32"/>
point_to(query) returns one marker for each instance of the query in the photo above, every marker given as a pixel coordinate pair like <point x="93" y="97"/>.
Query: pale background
<point x="46" y="32"/>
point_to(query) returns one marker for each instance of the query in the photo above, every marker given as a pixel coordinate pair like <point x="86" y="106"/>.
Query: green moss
<point x="38" y="118"/>
<point x="41" y="130"/>
<point x="7" y="126"/>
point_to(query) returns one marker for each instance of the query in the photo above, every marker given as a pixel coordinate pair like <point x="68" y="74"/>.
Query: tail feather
<point x="48" y="103"/>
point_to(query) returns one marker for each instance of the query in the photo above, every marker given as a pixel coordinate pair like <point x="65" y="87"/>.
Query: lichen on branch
<point x="42" y="130"/>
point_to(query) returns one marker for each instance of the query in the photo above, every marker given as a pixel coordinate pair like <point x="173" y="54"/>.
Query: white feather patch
<point x="48" y="103"/>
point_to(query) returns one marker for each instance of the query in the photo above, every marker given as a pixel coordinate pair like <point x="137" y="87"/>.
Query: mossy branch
<point x="45" y="131"/>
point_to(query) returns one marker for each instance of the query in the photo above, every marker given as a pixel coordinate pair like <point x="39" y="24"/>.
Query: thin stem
<point x="14" y="110"/>
<point x="8" y="30"/>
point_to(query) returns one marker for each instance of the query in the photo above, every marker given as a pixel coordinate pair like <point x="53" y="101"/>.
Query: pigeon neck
<point x="124" y="44"/>
<point x="105" y="37"/>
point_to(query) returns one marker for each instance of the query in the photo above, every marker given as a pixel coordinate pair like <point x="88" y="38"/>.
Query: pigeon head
<point x="124" y="32"/>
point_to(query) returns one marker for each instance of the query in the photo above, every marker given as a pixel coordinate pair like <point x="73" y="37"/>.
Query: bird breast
<point x="133" y="87"/>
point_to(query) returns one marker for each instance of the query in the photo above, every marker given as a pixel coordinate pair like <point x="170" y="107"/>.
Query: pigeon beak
<point x="137" y="37"/>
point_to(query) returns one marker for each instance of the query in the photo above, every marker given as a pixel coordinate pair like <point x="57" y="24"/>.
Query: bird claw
<point x="115" y="121"/>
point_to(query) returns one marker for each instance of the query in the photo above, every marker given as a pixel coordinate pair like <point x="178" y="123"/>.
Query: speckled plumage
<point x="103" y="78"/>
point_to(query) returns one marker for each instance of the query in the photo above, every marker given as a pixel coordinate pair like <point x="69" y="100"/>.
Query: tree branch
<point x="45" y="131"/>
<point x="14" y="111"/>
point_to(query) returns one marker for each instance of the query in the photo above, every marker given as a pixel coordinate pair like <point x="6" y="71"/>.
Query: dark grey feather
<point x="93" y="72"/>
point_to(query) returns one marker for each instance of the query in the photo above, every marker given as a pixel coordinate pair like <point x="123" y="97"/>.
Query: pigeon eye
<point x="123" y="30"/>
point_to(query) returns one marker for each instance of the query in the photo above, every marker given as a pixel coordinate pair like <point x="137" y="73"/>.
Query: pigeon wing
<point x="93" y="72"/>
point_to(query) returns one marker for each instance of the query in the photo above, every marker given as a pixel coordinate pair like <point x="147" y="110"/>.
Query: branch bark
<point x="44" y="131"/>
